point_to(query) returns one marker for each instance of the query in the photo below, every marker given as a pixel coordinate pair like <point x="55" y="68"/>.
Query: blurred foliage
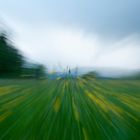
<point x="12" y="63"/>
<point x="89" y="75"/>
<point x="35" y="71"/>
<point x="10" y="58"/>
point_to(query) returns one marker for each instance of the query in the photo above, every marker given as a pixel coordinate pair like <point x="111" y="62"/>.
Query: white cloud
<point x="53" y="44"/>
<point x="122" y="54"/>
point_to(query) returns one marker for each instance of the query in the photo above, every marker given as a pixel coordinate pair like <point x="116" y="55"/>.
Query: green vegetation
<point x="70" y="109"/>
<point x="13" y="64"/>
<point x="11" y="60"/>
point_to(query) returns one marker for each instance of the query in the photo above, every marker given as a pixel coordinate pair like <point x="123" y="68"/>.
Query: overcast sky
<point x="83" y="33"/>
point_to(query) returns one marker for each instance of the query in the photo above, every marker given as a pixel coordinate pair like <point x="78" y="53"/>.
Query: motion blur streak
<point x="82" y="108"/>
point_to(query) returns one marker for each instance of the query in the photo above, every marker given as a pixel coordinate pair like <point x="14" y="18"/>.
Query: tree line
<point x="13" y="63"/>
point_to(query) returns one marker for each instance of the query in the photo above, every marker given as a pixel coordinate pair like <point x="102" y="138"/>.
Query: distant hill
<point x="108" y="73"/>
<point x="97" y="73"/>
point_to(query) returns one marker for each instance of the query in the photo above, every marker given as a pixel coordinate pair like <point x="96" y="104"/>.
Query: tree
<point x="11" y="60"/>
<point x="33" y="70"/>
<point x="40" y="71"/>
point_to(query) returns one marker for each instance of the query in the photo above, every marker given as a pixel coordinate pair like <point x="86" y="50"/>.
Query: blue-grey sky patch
<point x="91" y="33"/>
<point x="117" y="18"/>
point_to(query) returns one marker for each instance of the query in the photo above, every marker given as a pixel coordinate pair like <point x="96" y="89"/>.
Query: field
<point x="70" y="109"/>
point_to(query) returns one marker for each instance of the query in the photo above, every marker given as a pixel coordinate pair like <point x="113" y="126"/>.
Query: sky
<point x="76" y="33"/>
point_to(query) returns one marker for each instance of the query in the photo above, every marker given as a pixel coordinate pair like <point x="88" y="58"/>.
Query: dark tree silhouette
<point x="11" y="60"/>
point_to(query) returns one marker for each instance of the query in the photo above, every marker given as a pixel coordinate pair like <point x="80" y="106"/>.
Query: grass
<point x="70" y="109"/>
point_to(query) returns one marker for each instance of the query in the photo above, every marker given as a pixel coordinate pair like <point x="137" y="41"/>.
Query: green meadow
<point x="82" y="108"/>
